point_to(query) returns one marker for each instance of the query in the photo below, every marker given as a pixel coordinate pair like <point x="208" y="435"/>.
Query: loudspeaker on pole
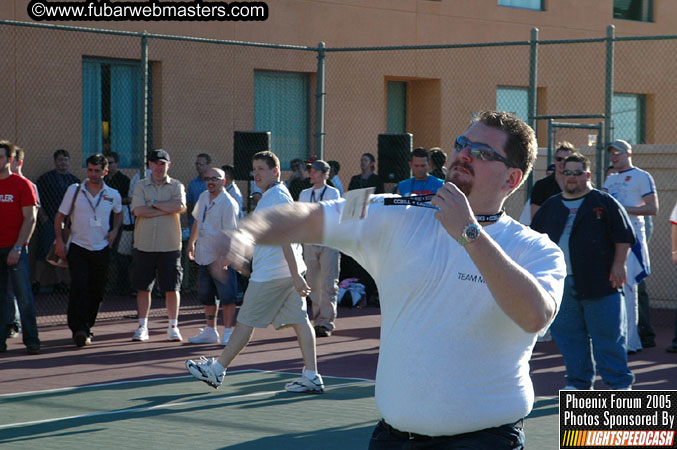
<point x="245" y="145"/>
<point x="393" y="156"/>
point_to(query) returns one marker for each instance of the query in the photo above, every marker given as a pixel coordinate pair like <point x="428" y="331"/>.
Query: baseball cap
<point x="320" y="165"/>
<point x="620" y="145"/>
<point x="158" y="155"/>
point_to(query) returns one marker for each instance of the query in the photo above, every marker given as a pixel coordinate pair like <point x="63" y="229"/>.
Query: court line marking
<point x="171" y="404"/>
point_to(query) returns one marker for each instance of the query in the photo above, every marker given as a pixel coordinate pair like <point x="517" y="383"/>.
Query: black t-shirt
<point x="119" y="182"/>
<point x="544" y="189"/>
<point x="357" y="182"/>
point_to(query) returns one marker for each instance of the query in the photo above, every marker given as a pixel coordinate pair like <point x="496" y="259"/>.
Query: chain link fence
<point x="84" y="91"/>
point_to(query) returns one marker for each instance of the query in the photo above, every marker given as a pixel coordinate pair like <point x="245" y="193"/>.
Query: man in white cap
<point x="635" y="189"/>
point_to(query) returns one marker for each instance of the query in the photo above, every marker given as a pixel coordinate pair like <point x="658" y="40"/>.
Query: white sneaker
<point x="173" y="334"/>
<point x="141" y="334"/>
<point x="206" y="336"/>
<point x="203" y="371"/>
<point x="227" y="332"/>
<point x="304" y="385"/>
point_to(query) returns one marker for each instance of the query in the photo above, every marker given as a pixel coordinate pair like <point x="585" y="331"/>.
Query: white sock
<point x="209" y="328"/>
<point x="173" y="322"/>
<point x="218" y="368"/>
<point x="143" y="323"/>
<point x="310" y="374"/>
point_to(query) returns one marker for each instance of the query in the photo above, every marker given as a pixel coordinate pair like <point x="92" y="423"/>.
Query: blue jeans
<point x="21" y="284"/>
<point x="506" y="437"/>
<point x="591" y="333"/>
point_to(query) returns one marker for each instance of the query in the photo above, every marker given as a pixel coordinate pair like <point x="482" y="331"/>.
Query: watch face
<point x="472" y="231"/>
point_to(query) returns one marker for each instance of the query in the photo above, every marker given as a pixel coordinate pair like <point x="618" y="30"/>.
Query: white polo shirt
<point x="91" y="215"/>
<point x="212" y="217"/>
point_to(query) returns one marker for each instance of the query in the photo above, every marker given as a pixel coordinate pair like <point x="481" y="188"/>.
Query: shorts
<point x="209" y="288"/>
<point x="163" y="266"/>
<point x="274" y="301"/>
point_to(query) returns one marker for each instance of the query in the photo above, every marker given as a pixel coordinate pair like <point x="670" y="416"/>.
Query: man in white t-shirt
<point x="461" y="309"/>
<point x="214" y="212"/>
<point x="91" y="241"/>
<point x="322" y="261"/>
<point x="635" y="189"/>
<point x="275" y="294"/>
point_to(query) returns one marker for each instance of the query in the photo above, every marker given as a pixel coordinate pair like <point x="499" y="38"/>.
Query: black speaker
<point x="245" y="145"/>
<point x="393" y="156"/>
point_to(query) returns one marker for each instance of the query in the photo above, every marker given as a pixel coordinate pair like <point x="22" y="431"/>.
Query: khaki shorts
<point x="274" y="301"/>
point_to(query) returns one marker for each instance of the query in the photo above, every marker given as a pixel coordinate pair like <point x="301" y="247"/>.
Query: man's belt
<point x="422" y="437"/>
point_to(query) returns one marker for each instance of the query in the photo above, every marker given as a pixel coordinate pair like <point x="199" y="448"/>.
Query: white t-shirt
<point x="90" y="218"/>
<point x="268" y="262"/>
<point x="212" y="217"/>
<point x="451" y="361"/>
<point x="629" y="188"/>
<point x="673" y="216"/>
<point x="323" y="194"/>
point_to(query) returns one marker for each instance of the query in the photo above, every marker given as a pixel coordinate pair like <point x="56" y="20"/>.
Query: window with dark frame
<point x="637" y="10"/>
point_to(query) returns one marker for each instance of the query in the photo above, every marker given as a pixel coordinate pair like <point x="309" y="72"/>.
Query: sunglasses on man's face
<point x="576" y="173"/>
<point x="480" y="151"/>
<point x="213" y="179"/>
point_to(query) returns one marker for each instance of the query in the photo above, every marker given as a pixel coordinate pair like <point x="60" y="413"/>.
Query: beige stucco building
<point x="201" y="92"/>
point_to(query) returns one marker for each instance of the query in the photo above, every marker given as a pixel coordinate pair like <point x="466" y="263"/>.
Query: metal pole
<point x="532" y="94"/>
<point x="319" y="102"/>
<point x="601" y="167"/>
<point x="609" y="93"/>
<point x="144" y="105"/>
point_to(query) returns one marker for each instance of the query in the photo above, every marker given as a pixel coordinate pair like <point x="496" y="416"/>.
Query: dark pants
<point x="88" y="270"/>
<point x="506" y="437"/>
<point x="644" y="328"/>
<point x="19" y="277"/>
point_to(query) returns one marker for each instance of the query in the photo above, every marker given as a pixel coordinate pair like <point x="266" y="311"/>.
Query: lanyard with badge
<point x="94" y="222"/>
<point x="312" y="195"/>
<point x="204" y="216"/>
<point x="423" y="201"/>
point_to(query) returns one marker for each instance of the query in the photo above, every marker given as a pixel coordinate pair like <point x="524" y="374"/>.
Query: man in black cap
<point x="322" y="262"/>
<point x="157" y="203"/>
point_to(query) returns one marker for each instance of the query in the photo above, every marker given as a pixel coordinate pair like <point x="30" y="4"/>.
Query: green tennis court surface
<point x="250" y="411"/>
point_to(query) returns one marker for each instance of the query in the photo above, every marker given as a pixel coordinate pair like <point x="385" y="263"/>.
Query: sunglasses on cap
<point x="480" y="151"/>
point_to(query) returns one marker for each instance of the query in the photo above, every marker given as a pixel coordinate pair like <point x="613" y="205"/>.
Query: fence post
<point x="609" y="92"/>
<point x="143" y="144"/>
<point x="532" y="95"/>
<point x="319" y="102"/>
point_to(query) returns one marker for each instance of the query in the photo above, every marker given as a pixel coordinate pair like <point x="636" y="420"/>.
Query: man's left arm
<point x="649" y="208"/>
<point x="515" y="290"/>
<point x="25" y="232"/>
<point x="618" y="274"/>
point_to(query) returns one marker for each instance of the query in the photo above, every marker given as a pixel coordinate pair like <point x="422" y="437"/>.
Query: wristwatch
<point x="470" y="233"/>
<point x="18" y="248"/>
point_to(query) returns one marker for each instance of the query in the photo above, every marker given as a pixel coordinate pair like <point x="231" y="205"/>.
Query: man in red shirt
<point x="18" y="210"/>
